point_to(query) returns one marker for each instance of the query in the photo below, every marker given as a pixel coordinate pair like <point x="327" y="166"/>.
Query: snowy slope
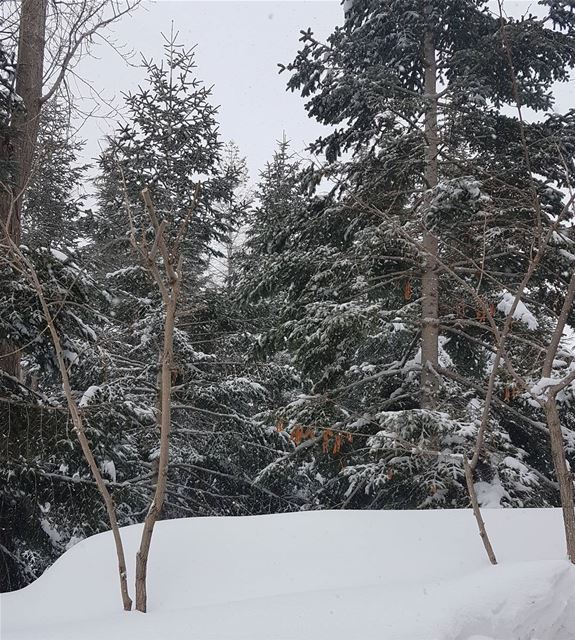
<point x="315" y="576"/>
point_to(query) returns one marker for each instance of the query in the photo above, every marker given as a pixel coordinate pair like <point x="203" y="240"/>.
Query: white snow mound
<point x="332" y="575"/>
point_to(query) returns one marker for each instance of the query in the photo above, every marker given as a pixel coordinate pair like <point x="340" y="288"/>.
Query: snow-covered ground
<point x="382" y="575"/>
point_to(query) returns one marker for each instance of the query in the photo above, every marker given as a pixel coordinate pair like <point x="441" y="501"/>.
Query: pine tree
<point x="433" y="191"/>
<point x="52" y="206"/>
<point x="169" y="144"/>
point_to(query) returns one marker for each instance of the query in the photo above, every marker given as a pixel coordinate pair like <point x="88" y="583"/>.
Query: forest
<point x="385" y="322"/>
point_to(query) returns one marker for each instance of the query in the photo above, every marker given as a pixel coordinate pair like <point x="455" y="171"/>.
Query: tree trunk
<point x="25" y="123"/>
<point x="477" y="511"/>
<point x="564" y="475"/>
<point x="77" y="422"/>
<point x="429" y="281"/>
<point x="165" y="424"/>
<point x="29" y="72"/>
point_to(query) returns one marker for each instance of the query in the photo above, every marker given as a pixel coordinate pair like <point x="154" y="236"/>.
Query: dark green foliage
<point x="348" y="269"/>
<point x="53" y="203"/>
<point x="8" y="104"/>
<point x="296" y="381"/>
<point x="169" y="145"/>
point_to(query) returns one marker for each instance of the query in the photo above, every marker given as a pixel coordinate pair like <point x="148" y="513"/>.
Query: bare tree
<point x="546" y="391"/>
<point x="64" y="35"/>
<point x="549" y="403"/>
<point x="24" y="266"/>
<point x="164" y="264"/>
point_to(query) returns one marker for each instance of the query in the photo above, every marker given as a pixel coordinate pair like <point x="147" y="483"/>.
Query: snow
<point x="337" y="575"/>
<point x="539" y="390"/>
<point x="521" y="312"/>
<point x="490" y="494"/>
<point x="50" y="531"/>
<point x="61" y="257"/>
<point x="88" y="331"/>
<point x="88" y="396"/>
<point x="108" y="468"/>
<point x="71" y="356"/>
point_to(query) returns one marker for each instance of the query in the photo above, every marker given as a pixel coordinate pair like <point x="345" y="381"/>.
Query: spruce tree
<point x="432" y="214"/>
<point x="53" y="202"/>
<point x="171" y="144"/>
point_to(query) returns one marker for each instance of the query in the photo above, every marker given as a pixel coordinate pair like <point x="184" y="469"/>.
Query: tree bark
<point x="563" y="473"/>
<point x="77" y="422"/>
<point x="169" y="287"/>
<point x="29" y="72"/>
<point x="165" y="424"/>
<point x="477" y="511"/>
<point x="429" y="281"/>
<point x="25" y="123"/>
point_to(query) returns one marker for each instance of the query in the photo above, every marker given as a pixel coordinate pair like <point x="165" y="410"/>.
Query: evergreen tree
<point x="8" y="102"/>
<point x="109" y="319"/>
<point x="432" y="183"/>
<point x="48" y="500"/>
<point x="169" y="144"/>
<point x="52" y="207"/>
<point x="238" y="205"/>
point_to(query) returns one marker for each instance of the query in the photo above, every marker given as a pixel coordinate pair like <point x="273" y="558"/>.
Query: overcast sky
<point x="239" y="45"/>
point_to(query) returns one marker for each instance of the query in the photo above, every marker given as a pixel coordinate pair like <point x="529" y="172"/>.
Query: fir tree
<point x="170" y="144"/>
<point x="432" y="183"/>
<point x="52" y="207"/>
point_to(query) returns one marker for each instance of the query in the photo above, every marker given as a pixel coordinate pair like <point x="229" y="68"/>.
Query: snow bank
<point x="315" y="576"/>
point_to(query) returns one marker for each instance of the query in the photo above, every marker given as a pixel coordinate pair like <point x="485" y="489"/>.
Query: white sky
<point x="239" y="45"/>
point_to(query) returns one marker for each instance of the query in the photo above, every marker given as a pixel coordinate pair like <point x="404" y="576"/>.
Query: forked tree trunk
<point x="169" y="286"/>
<point x="429" y="281"/>
<point x="25" y="123"/>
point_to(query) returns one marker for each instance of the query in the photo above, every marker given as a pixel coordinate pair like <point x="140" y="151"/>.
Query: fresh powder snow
<point x="322" y="575"/>
<point x="521" y="312"/>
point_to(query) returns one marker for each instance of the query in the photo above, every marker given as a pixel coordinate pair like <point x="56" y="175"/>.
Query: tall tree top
<point x="370" y="72"/>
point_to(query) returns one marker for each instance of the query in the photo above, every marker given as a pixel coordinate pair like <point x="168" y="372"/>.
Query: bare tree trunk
<point x="562" y="471"/>
<point x="169" y="286"/>
<point x="477" y="511"/>
<point x="165" y="425"/>
<point x="429" y="281"/>
<point x="564" y="475"/>
<point x="77" y="422"/>
<point x="29" y="71"/>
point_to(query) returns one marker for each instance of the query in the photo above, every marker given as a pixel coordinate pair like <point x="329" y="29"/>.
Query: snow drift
<point x="384" y="575"/>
